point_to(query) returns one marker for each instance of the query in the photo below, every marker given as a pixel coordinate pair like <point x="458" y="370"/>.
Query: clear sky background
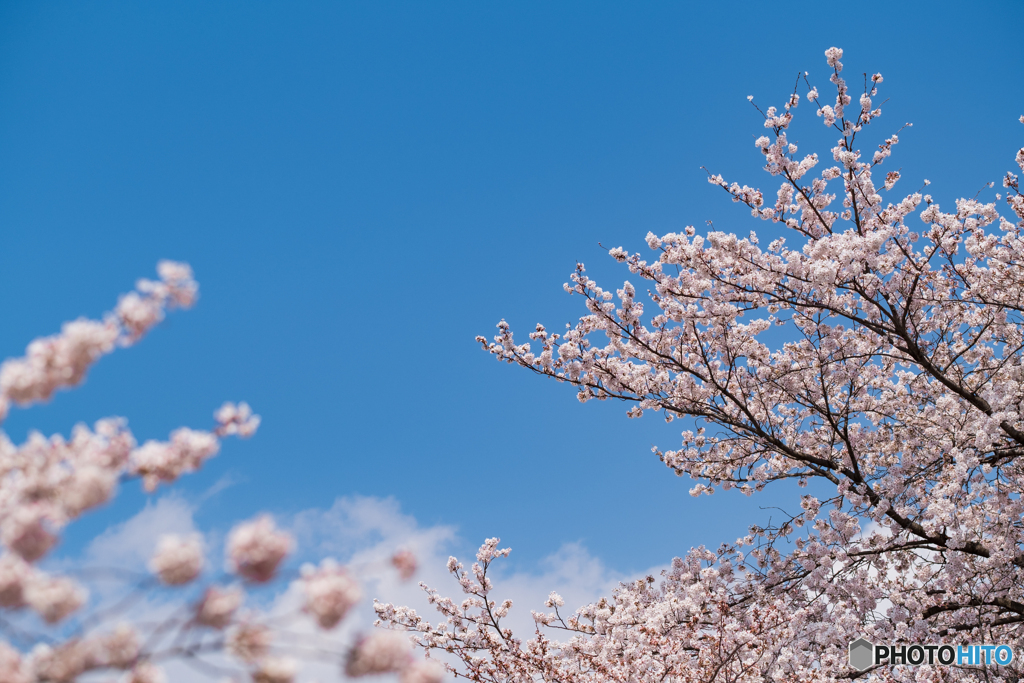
<point x="363" y="188"/>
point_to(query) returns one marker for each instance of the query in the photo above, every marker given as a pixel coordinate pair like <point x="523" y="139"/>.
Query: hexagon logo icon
<point x="861" y="654"/>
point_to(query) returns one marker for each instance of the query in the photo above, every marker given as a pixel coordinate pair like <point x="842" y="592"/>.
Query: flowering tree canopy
<point x="865" y="350"/>
<point x="50" y="629"/>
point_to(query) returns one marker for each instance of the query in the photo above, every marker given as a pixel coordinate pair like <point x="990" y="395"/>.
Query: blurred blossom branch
<point x="48" y="482"/>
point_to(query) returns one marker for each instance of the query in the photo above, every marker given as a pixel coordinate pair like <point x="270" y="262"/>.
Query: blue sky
<point x="364" y="188"/>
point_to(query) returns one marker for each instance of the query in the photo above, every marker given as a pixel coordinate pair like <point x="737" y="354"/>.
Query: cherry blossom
<point x="423" y="671"/>
<point x="249" y="641"/>
<point x="329" y="593"/>
<point x="256" y="548"/>
<point x="275" y="670"/>
<point x="12" y="666"/>
<point x="62" y="361"/>
<point x="863" y="339"/>
<point x="405" y="562"/>
<point x="157" y="461"/>
<point x="146" y="672"/>
<point x="48" y="482"/>
<point x="380" y="652"/>
<point x="14" y="575"/>
<point x="54" y="598"/>
<point x="120" y="648"/>
<point x="236" y="420"/>
<point x="218" y="606"/>
<point x="178" y="560"/>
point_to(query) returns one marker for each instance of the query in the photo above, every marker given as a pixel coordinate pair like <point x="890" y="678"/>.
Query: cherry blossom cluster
<point x="62" y="360"/>
<point x="875" y="353"/>
<point x="48" y="482"/>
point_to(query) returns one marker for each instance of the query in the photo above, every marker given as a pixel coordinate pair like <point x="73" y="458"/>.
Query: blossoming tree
<point x="874" y="351"/>
<point x="48" y="482"/>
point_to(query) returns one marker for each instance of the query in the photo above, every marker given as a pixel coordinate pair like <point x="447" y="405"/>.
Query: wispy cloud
<point x="130" y="544"/>
<point x="362" y="532"/>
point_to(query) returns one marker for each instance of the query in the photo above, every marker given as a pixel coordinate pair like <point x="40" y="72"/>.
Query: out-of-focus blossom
<point x="236" y="420"/>
<point x="832" y="56"/>
<point x="146" y="672"/>
<point x="88" y="487"/>
<point x="59" y="361"/>
<point x="48" y="482"/>
<point x="12" y="665"/>
<point x="54" y="598"/>
<point x="14" y="575"/>
<point x="256" y="548"/>
<point x="275" y="670"/>
<point x="177" y="560"/>
<point x="250" y="642"/>
<point x="158" y="461"/>
<point x="140" y="310"/>
<point x="120" y="648"/>
<point x="329" y="592"/>
<point x="380" y="652"/>
<point x="138" y="313"/>
<point x="218" y="606"/>
<point x="422" y="671"/>
<point x="65" y="662"/>
<point x="62" y="360"/>
<point x="25" y="530"/>
<point x="900" y="381"/>
<point x="405" y="562"/>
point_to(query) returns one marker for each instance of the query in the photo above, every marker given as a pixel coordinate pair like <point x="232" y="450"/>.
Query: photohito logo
<point x="864" y="654"/>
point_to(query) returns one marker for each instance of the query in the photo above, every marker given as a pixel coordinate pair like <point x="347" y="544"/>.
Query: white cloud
<point x="363" y="533"/>
<point x="366" y="528"/>
<point x="572" y="572"/>
<point x="131" y="543"/>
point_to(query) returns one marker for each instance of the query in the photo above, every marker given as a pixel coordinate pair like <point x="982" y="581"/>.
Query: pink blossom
<point x="256" y="548"/>
<point x="62" y="360"/>
<point x="238" y="420"/>
<point x="896" y="387"/>
<point x="63" y="663"/>
<point x="833" y="55"/>
<point x="14" y="575"/>
<point x="890" y="179"/>
<point x="405" y="562"/>
<point x="119" y="648"/>
<point x="47" y="482"/>
<point x="59" y="361"/>
<point x="178" y="560"/>
<point x="138" y="313"/>
<point x="12" y="666"/>
<point x="181" y="287"/>
<point x="896" y="384"/>
<point x="423" y="671"/>
<point x="146" y="672"/>
<point x="329" y="593"/>
<point x="89" y="487"/>
<point x="381" y="652"/>
<point x="54" y="598"/>
<point x="26" y="531"/>
<point x="218" y="606"/>
<point x="157" y="461"/>
<point x="274" y="670"/>
<point x="248" y="641"/>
